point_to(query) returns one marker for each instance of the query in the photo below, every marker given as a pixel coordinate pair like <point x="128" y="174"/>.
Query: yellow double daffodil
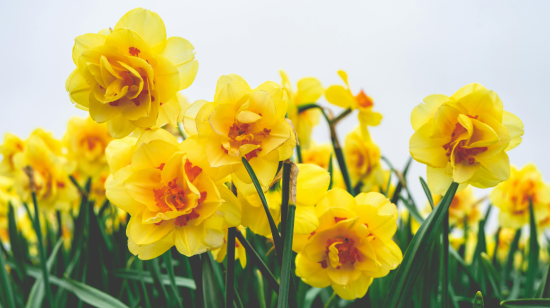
<point x="243" y="122"/>
<point x="513" y="196"/>
<point x="463" y="207"/>
<point x="129" y="76"/>
<point x="50" y="176"/>
<point x="464" y="138"/>
<point x="171" y="198"/>
<point x="363" y="160"/>
<point x="309" y="91"/>
<point x="351" y="245"/>
<point x="11" y="146"/>
<point x="342" y="97"/>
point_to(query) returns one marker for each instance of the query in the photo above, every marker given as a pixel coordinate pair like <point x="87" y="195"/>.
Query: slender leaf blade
<point x="492" y="274"/>
<point x="285" y="294"/>
<point x="212" y="294"/>
<point x="534" y="250"/>
<point x="427" y="192"/>
<point x="527" y="302"/>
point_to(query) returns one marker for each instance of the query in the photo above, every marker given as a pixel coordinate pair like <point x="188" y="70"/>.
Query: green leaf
<point x="527" y="302"/>
<point x="508" y="267"/>
<point x="147" y="278"/>
<point x="155" y="271"/>
<point x="311" y="295"/>
<point x="544" y="286"/>
<point x="453" y="253"/>
<point x="287" y="297"/>
<point x="427" y="192"/>
<point x="259" y="263"/>
<point x="5" y="283"/>
<point x="36" y="296"/>
<point x="534" y="250"/>
<point x="274" y="231"/>
<point x="212" y="293"/>
<point x="413" y="211"/>
<point x="416" y="254"/>
<point x="260" y="287"/>
<point x="478" y="300"/>
<point x="230" y="271"/>
<point x="171" y="276"/>
<point x="492" y="274"/>
<point x="17" y="243"/>
<point x="445" y="262"/>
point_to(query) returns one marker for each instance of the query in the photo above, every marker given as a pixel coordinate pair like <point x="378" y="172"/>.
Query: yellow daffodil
<point x="51" y="171"/>
<point x="309" y="91"/>
<point x="512" y="197"/>
<point x="11" y="146"/>
<point x="342" y="97"/>
<point x="318" y="154"/>
<point x="464" y="206"/>
<point x="129" y="76"/>
<point x="171" y="199"/>
<point x="464" y="138"/>
<point x="86" y="141"/>
<point x="240" y="253"/>
<point x="242" y="122"/>
<point x="363" y="160"/>
<point x="352" y="244"/>
<point x="311" y="185"/>
<point x="505" y="239"/>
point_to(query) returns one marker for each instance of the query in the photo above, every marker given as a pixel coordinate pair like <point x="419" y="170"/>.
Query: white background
<point x="397" y="51"/>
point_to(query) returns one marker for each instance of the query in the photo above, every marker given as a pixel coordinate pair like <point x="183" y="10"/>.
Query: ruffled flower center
<point x="241" y="134"/>
<point x="363" y="100"/>
<point x="459" y="147"/>
<point x="521" y="193"/>
<point x="340" y="251"/>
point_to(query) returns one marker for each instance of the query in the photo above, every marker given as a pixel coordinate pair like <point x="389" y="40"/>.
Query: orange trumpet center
<point x="462" y="153"/>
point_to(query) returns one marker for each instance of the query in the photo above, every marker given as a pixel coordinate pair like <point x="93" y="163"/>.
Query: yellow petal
<point x="119" y="152"/>
<point x="104" y="112"/>
<point x="355" y="289"/>
<point x="278" y="95"/>
<point x="120" y="127"/>
<point x="222" y="118"/>
<point x="305" y="220"/>
<point x="195" y="149"/>
<point x="117" y="195"/>
<point x="309" y="90"/>
<point x="336" y="197"/>
<point x="265" y="168"/>
<point x="169" y="112"/>
<point x="380" y="215"/>
<point x="143" y="234"/>
<point x="463" y="171"/>
<point x="216" y="155"/>
<point x="86" y="41"/>
<point x="152" y="134"/>
<point x="167" y="79"/>
<point x="188" y="239"/>
<point x="280" y="133"/>
<point x="425" y="112"/>
<point x="313" y="182"/>
<point x="426" y="149"/>
<point x="140" y="186"/>
<point x="344" y="77"/>
<point x="153" y="154"/>
<point x="482" y="101"/>
<point x="445" y="120"/>
<point x="439" y="179"/>
<point x="369" y="118"/>
<point x="148" y="25"/>
<point x="492" y="171"/>
<point x="230" y="89"/>
<point x="311" y="273"/>
<point x="339" y="96"/>
<point x="151" y="251"/>
<point x="78" y="88"/>
<point x="197" y="118"/>
<point x="514" y="126"/>
<point x="230" y="208"/>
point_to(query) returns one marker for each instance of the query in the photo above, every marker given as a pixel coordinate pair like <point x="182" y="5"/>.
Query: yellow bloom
<point x="318" y="154"/>
<point x="242" y="122"/>
<point x="86" y="141"/>
<point x="363" y="160"/>
<point x="51" y="172"/>
<point x="129" y="76"/>
<point x="308" y="92"/>
<point x="342" y="97"/>
<point x="352" y="244"/>
<point x="312" y="183"/>
<point x="11" y="146"/>
<point x="240" y="253"/>
<point x="512" y="197"/>
<point x="463" y="206"/>
<point x="170" y="197"/>
<point x="464" y="138"/>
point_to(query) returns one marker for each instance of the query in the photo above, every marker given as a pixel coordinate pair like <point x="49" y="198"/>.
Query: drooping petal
<point x="425" y="112"/>
<point x="355" y="289"/>
<point x="514" y="126"/>
<point x="313" y="182"/>
<point x="309" y="90"/>
<point x="305" y="220"/>
<point x="148" y="25"/>
<point x="427" y="149"/>
<point x="311" y="273"/>
<point x="151" y="251"/>
<point x="79" y="90"/>
<point x="188" y="239"/>
<point x="231" y="89"/>
<point x="339" y="96"/>
<point x="141" y="185"/>
<point x="117" y="195"/>
<point x="143" y="234"/>
<point x="85" y="42"/>
<point x="120" y="127"/>
<point x="492" y="171"/>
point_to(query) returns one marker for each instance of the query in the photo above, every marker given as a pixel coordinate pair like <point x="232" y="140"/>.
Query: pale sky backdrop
<point x="397" y="51"/>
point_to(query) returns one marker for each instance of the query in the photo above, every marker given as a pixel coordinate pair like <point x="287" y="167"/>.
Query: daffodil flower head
<point x="464" y="138"/>
<point x="171" y="200"/>
<point x="363" y="159"/>
<point x="50" y="172"/>
<point x="342" y="97"/>
<point x="351" y="245"/>
<point x="11" y="146"/>
<point x="128" y="76"/>
<point x="240" y="253"/>
<point x="244" y="122"/>
<point x="308" y="92"/>
<point x="513" y="197"/>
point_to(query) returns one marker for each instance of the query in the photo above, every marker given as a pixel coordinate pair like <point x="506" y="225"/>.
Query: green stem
<point x="285" y="198"/>
<point x="170" y="270"/>
<point x="41" y="251"/>
<point x="81" y="190"/>
<point x="286" y="295"/>
<point x="5" y="283"/>
<point x="445" y="263"/>
<point x="182" y="134"/>
<point x="271" y="281"/>
<point x="331" y="300"/>
<point x="341" y="116"/>
<point x="230" y="272"/>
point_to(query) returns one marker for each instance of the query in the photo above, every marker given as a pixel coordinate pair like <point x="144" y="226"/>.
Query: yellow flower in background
<point x="464" y="206"/>
<point x="240" y="253"/>
<point x="363" y="160"/>
<point x="342" y="97"/>
<point x="318" y="154"/>
<point x="51" y="171"/>
<point x="11" y="146"/>
<point x="512" y="197"/>
<point x="242" y="122"/>
<point x="464" y="138"/>
<point x="129" y="77"/>
<point x="7" y="196"/>
<point x="171" y="200"/>
<point x="352" y="244"/>
<point x="86" y="141"/>
<point x="309" y="91"/>
<point x="312" y="183"/>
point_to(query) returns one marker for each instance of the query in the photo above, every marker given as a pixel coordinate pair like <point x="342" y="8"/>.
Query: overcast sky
<point x="397" y="51"/>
